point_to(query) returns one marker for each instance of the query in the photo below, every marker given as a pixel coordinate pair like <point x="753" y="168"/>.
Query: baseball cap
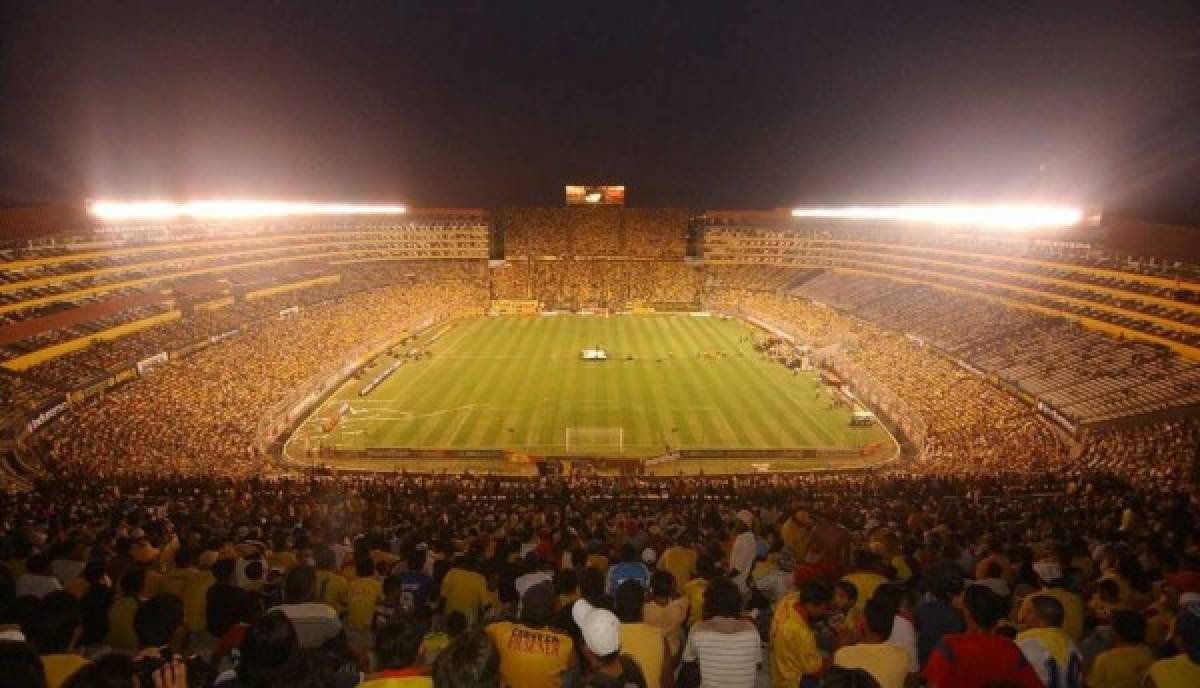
<point x="600" y="628"/>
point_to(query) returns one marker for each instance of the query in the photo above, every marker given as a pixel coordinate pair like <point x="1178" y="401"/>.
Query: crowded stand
<point x="198" y="414"/>
<point x="1032" y="274"/>
<point x="573" y="284"/>
<point x="1031" y="579"/>
<point x="73" y="369"/>
<point x="973" y="426"/>
<point x="1085" y="375"/>
<point x="1040" y="531"/>
<point x="594" y="231"/>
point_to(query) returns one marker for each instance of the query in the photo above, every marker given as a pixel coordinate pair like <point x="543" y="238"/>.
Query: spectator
<point x="415" y="584"/>
<point x="315" y="623"/>
<point x="37" y="580"/>
<point x="795" y="658"/>
<point x="227" y="604"/>
<point x="679" y="559"/>
<point x="979" y="657"/>
<point x="471" y="661"/>
<point x="121" y="633"/>
<point x="1047" y="646"/>
<point x="887" y="663"/>
<point x="531" y="653"/>
<point x="603" y="663"/>
<point x="1050" y="577"/>
<point x="1184" y="668"/>
<point x="694" y="590"/>
<point x="937" y="616"/>
<point x="741" y="558"/>
<point x="865" y="577"/>
<point x="363" y="596"/>
<point x="666" y="610"/>
<point x="630" y="567"/>
<point x="397" y="647"/>
<point x="269" y="644"/>
<point x="1125" y="664"/>
<point x="904" y="633"/>
<point x="20" y="665"/>
<point x="726" y="647"/>
<point x="332" y="588"/>
<point x="641" y="641"/>
<point x="464" y="589"/>
<point x="54" y="629"/>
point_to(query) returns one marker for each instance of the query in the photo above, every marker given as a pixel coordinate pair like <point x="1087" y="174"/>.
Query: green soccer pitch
<point x="519" y="383"/>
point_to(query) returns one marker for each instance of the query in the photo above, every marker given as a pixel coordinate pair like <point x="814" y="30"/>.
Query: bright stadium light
<point x="206" y="210"/>
<point x="998" y="216"/>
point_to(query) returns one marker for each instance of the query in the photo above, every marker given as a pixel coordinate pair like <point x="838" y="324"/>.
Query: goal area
<point x="595" y="440"/>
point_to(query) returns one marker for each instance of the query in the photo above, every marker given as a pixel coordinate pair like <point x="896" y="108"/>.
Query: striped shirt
<point x="729" y="652"/>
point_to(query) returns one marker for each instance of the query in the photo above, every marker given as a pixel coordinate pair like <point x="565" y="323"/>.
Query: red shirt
<point x="973" y="660"/>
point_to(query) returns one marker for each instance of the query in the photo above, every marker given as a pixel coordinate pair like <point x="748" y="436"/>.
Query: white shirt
<point x="729" y="653"/>
<point x="742" y="558"/>
<point x="527" y="581"/>
<point x="905" y="635"/>
<point x="37" y="585"/>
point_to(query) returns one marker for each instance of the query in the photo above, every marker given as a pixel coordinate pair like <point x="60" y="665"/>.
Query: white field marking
<point x="415" y="416"/>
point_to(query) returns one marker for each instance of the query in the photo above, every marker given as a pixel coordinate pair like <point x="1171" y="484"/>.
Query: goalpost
<point x="595" y="440"/>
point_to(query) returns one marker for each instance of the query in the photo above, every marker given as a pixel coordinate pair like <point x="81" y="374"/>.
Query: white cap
<point x="601" y="629"/>
<point x="649" y="556"/>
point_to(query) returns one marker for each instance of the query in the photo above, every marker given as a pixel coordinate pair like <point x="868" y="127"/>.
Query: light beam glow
<point x="998" y="216"/>
<point x="112" y="211"/>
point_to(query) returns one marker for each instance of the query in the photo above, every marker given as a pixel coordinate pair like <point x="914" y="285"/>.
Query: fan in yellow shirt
<point x="1048" y="647"/>
<point x="332" y="588"/>
<point x="174" y="581"/>
<point x="1182" y="670"/>
<point x="888" y="664"/>
<point x="796" y="533"/>
<point x="679" y="559"/>
<point x="665" y="611"/>
<point x="1125" y="664"/>
<point x="693" y="590"/>
<point x="640" y="640"/>
<point x="532" y="655"/>
<point x="54" y="627"/>
<point x="362" y="594"/>
<point x="864" y="577"/>
<point x="464" y="590"/>
<point x="794" y="652"/>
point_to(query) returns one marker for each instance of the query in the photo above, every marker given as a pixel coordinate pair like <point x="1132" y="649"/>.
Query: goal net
<point x="595" y="440"/>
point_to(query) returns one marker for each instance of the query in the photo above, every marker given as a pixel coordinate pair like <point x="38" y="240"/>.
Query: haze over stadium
<point x="660" y="345"/>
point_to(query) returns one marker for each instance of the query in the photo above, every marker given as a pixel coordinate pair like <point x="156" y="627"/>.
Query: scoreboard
<point x="595" y="195"/>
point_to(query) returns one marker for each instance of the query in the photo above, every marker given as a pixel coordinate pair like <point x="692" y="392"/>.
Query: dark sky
<point x="740" y="104"/>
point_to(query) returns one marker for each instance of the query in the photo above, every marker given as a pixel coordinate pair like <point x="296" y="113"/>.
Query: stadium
<point x="590" y="337"/>
<point x="473" y="352"/>
<point x="647" y="345"/>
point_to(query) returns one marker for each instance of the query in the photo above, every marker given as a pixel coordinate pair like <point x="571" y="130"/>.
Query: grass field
<point x="517" y="382"/>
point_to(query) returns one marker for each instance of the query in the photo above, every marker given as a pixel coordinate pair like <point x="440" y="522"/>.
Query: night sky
<point x="740" y="104"/>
